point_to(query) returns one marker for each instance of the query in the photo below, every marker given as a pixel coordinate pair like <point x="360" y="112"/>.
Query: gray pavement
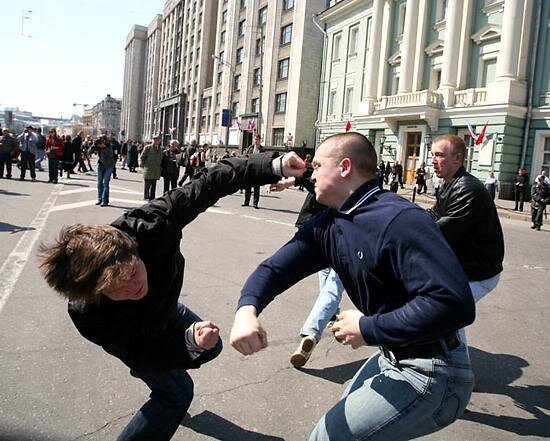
<point x="57" y="386"/>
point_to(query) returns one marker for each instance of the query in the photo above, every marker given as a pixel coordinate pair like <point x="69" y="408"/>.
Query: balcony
<point x="413" y="99"/>
<point x="470" y="97"/>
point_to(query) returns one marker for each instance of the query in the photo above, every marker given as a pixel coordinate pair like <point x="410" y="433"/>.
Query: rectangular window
<point x="349" y="100"/>
<point x="235" y="109"/>
<point x="218" y="98"/>
<point x="489" y="71"/>
<point x="224" y="16"/>
<point x="237" y="82"/>
<point x="331" y="102"/>
<point x="283" y="68"/>
<point x="240" y="55"/>
<point x="402" y="13"/>
<point x="280" y="102"/>
<point x="279" y="137"/>
<point x="286" y="34"/>
<point x="219" y="79"/>
<point x="203" y="121"/>
<point x="244" y="4"/>
<point x="242" y="28"/>
<point x="353" y="33"/>
<point x="262" y="16"/>
<point x="257" y="76"/>
<point x="255" y="107"/>
<point x="288" y="4"/>
<point x="260" y="46"/>
<point x="222" y="37"/>
<point x="336" y="47"/>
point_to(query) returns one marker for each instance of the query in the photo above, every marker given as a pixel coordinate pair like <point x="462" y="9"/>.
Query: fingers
<point x="251" y="344"/>
<point x="293" y="165"/>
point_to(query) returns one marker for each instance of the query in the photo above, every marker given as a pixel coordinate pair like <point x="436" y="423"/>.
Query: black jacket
<point x="467" y="217"/>
<point x="136" y="331"/>
<point x="540" y="195"/>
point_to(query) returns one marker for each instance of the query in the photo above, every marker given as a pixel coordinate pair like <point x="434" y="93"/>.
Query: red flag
<point x="480" y="137"/>
<point x="348" y="126"/>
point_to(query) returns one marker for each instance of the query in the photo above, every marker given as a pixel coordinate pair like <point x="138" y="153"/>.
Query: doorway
<point x="247" y="140"/>
<point x="412" y="159"/>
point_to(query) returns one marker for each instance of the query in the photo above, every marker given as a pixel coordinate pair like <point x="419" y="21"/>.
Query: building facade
<point x="405" y="71"/>
<point x="106" y="117"/>
<point x="131" y="120"/>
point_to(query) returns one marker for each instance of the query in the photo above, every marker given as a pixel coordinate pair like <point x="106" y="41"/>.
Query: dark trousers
<point x="248" y="193"/>
<point x="53" y="165"/>
<point x="519" y="197"/>
<point x="149" y="189"/>
<point x="536" y="214"/>
<point x="27" y="161"/>
<point x="80" y="162"/>
<point x="5" y="159"/>
<point x="171" y="392"/>
<point x="170" y="182"/>
<point x="189" y="172"/>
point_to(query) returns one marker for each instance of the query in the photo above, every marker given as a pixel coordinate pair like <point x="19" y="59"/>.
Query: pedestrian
<point x="170" y="165"/>
<point x="124" y="281"/>
<point x="491" y="184"/>
<point x="380" y="174"/>
<point x="124" y="154"/>
<point x="421" y="179"/>
<point x="189" y="162"/>
<point x="133" y="154"/>
<point x="54" y="152"/>
<point x="87" y="153"/>
<point x="115" y="146"/>
<point x="406" y="283"/>
<point x="78" y="156"/>
<point x="467" y="216"/>
<point x="256" y="147"/>
<point x="105" y="165"/>
<point x="521" y="181"/>
<point x="151" y="160"/>
<point x="387" y="172"/>
<point x="8" y="144"/>
<point x="543" y="174"/>
<point x="67" y="160"/>
<point x="394" y="179"/>
<point x="540" y="198"/>
<point x="40" y="149"/>
<point x="399" y="171"/>
<point x="27" y="145"/>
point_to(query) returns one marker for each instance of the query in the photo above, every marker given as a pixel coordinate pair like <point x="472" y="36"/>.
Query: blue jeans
<point x="326" y="305"/>
<point x="171" y="391"/>
<point x="479" y="289"/>
<point x="411" y="398"/>
<point x="103" y="179"/>
<point x="40" y="155"/>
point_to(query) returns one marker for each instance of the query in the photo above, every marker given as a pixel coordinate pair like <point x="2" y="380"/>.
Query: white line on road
<point x="112" y="190"/>
<point x="279" y="223"/>
<point x="14" y="264"/>
<point x="64" y="207"/>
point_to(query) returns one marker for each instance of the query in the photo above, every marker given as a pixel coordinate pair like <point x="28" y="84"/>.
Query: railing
<point x="470" y="97"/>
<point x="422" y="98"/>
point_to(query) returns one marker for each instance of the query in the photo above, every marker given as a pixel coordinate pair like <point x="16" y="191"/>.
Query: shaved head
<point x="354" y="146"/>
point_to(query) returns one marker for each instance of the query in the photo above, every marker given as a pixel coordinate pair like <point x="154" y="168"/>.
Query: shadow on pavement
<point x="13" y="228"/>
<point x="210" y="424"/>
<point x="337" y="374"/>
<point x="12" y="193"/>
<point x="495" y="374"/>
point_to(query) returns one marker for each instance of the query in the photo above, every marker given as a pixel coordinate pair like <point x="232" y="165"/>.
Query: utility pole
<point x="230" y="103"/>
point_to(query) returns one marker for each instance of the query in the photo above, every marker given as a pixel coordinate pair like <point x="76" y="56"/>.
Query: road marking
<point x="250" y="217"/>
<point x="64" y="207"/>
<point x="111" y="189"/>
<point x="279" y="223"/>
<point x="16" y="261"/>
<point x="218" y="211"/>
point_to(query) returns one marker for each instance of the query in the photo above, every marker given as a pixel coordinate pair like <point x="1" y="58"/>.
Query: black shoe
<point x="256" y="206"/>
<point x="533" y="226"/>
<point x="98" y="203"/>
<point x="515" y="209"/>
<point x="538" y="227"/>
<point x="244" y="205"/>
<point x="104" y="205"/>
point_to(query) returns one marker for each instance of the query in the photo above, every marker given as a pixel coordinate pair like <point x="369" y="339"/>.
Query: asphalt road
<point x="54" y="385"/>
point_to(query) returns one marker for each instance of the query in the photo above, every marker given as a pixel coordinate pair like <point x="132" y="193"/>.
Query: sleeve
<point x="297" y="259"/>
<point x="161" y="221"/>
<point x="440" y="297"/>
<point x="461" y="214"/>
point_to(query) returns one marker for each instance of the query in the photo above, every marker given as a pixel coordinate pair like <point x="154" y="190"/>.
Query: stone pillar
<point x="408" y="46"/>
<point x="375" y="44"/>
<point x="449" y="70"/>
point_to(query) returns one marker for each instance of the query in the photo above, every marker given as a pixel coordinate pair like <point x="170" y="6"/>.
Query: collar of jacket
<point x="359" y="196"/>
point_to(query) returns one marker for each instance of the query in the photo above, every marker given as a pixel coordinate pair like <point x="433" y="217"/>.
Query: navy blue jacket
<point x="395" y="265"/>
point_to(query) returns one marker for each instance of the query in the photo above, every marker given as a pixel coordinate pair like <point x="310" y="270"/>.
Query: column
<point x="507" y="62"/>
<point x="375" y="44"/>
<point x="407" y="47"/>
<point x="449" y="70"/>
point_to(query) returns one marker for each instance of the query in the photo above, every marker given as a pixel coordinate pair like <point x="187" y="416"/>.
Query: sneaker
<point x="302" y="354"/>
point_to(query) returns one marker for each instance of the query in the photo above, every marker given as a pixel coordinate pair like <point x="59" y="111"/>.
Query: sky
<point x="66" y="51"/>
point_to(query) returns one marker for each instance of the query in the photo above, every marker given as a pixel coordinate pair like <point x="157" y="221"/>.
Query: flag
<point x="478" y="138"/>
<point x="172" y="130"/>
<point x="251" y="125"/>
<point x="348" y="126"/>
<point x="238" y="123"/>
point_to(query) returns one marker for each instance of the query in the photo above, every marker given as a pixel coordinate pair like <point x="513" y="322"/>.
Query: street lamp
<point x="388" y="148"/>
<point x="230" y="103"/>
<point x="24" y="17"/>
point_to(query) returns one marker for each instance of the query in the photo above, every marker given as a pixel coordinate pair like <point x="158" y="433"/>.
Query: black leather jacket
<point x="468" y="219"/>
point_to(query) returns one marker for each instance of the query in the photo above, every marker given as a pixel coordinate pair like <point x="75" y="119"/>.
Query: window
<point x="217" y="117"/>
<point x="349" y="99"/>
<point x="286" y="34"/>
<point x="242" y="28"/>
<point x="255" y="107"/>
<point x="280" y="102"/>
<point x="237" y="82"/>
<point x="260" y="46"/>
<point x="353" y="33"/>
<point x="221" y="56"/>
<point x="257" y="76"/>
<point x="203" y="121"/>
<point x="279" y="136"/>
<point x="218" y="98"/>
<point x="331" y="102"/>
<point x="489" y="71"/>
<point x="240" y="55"/>
<point x="224" y="16"/>
<point x="546" y="157"/>
<point x="262" y="16"/>
<point x="401" y="24"/>
<point x="336" y="47"/>
<point x="219" y="79"/>
<point x="283" y="68"/>
<point x="435" y="79"/>
<point x="244" y="4"/>
<point x="441" y="10"/>
<point x="235" y="109"/>
<point x="205" y="103"/>
<point x="222" y="38"/>
<point x="288" y="4"/>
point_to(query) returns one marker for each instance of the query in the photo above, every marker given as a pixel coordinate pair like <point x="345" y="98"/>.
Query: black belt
<point x="422" y="350"/>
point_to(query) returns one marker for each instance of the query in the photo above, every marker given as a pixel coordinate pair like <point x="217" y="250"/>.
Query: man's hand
<point x="283" y="184"/>
<point x="293" y="165"/>
<point x="346" y="328"/>
<point x="247" y="334"/>
<point x="206" y="334"/>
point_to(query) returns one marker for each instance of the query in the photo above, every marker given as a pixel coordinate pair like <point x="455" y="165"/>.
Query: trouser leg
<point x="256" y="195"/>
<point x="247" y="194"/>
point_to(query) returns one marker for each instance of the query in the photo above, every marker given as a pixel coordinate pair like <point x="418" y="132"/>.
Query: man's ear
<point x="345" y="167"/>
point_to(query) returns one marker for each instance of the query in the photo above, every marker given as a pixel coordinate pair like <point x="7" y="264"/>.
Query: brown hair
<point x="87" y="259"/>
<point x="456" y="142"/>
<point x="359" y="149"/>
